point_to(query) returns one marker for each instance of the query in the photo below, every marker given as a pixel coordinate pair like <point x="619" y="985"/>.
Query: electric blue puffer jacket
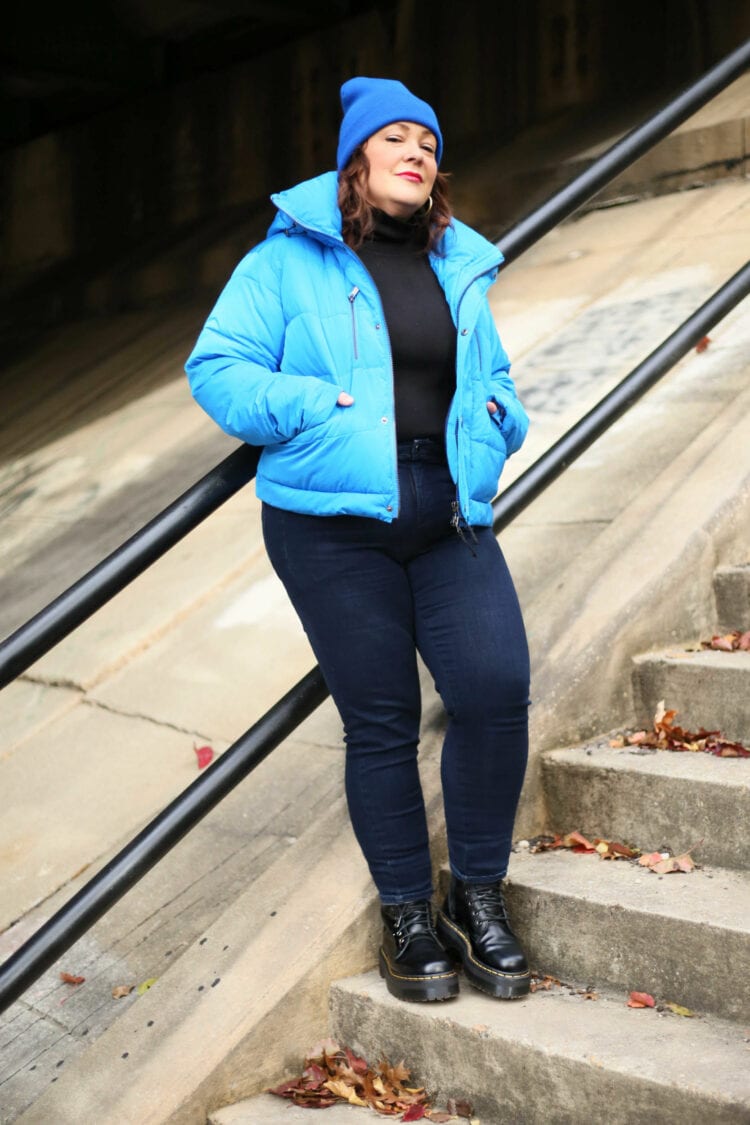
<point x="301" y="320"/>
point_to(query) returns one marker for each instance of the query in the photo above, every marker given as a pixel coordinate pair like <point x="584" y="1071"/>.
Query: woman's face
<point x="402" y="168"/>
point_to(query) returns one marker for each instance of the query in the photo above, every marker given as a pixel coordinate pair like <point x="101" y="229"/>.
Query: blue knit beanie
<point x="370" y="104"/>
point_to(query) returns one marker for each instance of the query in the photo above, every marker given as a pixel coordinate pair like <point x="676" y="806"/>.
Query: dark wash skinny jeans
<point x="369" y="594"/>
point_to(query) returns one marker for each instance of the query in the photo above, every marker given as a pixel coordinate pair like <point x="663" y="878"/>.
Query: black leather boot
<point x="473" y="926"/>
<point x="412" y="960"/>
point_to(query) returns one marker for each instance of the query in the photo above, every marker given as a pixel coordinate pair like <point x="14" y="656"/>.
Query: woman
<point x="356" y="345"/>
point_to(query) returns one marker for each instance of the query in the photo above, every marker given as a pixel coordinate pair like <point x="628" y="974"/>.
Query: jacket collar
<point x="313" y="205"/>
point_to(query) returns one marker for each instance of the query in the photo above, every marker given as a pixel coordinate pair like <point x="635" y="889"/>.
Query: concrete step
<point x="652" y="799"/>
<point x="679" y="937"/>
<point x="732" y="593"/>
<point x="707" y="689"/>
<point x="267" y="1109"/>
<point x="553" y="1057"/>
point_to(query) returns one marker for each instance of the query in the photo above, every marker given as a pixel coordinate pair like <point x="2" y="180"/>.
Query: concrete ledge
<point x="707" y="147"/>
<point x="652" y="800"/>
<point x="553" y="1056"/>
<point x="708" y="689"/>
<point x="678" y="937"/>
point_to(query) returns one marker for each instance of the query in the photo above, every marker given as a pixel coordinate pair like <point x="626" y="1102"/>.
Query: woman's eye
<point x="428" y="148"/>
<point x="393" y="138"/>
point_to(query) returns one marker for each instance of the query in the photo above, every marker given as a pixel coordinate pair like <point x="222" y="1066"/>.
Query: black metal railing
<point x="108" y="886"/>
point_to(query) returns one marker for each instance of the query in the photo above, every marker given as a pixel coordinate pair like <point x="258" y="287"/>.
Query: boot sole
<point x="420" y="989"/>
<point x="502" y="986"/>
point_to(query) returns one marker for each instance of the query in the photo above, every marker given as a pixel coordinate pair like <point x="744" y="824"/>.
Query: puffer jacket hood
<point x="301" y="320"/>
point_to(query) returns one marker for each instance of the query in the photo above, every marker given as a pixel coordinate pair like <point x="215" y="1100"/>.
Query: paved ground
<point x="100" y="734"/>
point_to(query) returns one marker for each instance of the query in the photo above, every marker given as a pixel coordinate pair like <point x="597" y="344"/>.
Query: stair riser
<point x="510" y="1080"/>
<point x="652" y="812"/>
<point x="716" y="697"/>
<point x="732" y="591"/>
<point x="693" y="964"/>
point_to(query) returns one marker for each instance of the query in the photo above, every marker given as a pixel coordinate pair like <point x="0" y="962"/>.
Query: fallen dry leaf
<point x="703" y="344"/>
<point x="678" y="1009"/>
<point x="205" y="756"/>
<point x="145" y="985"/>
<point x="662" y="863"/>
<point x="68" y="978"/>
<point x="344" y="1091"/>
<point x="121" y="990"/>
<point x="641" y="1000"/>
<point x="544" y="982"/>
<point x="414" y="1113"/>
<point x="580" y="844"/>
<point x="735" y="641"/>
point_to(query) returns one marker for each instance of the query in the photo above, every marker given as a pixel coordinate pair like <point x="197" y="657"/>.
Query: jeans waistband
<point x="429" y="449"/>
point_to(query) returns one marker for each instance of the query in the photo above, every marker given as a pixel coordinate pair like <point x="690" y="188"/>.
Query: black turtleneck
<point x="420" y="327"/>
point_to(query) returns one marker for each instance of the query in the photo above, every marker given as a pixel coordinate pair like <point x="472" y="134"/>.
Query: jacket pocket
<point x="488" y="456"/>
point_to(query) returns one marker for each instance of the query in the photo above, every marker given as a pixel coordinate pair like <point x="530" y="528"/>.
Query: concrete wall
<point x="170" y="158"/>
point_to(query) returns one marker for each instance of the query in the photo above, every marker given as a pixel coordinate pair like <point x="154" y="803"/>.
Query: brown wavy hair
<point x="357" y="219"/>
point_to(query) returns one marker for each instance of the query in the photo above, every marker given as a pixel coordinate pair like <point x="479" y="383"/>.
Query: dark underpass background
<point x="127" y="127"/>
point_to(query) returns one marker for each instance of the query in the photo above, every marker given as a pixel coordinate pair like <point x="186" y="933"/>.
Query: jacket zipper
<point x="460" y="520"/>
<point x="352" y="298"/>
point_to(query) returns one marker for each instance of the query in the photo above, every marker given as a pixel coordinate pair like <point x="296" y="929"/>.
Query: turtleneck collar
<point x="389" y="229"/>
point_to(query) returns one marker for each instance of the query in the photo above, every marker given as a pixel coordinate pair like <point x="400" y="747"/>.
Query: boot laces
<point x="414" y="919"/>
<point x="487" y="904"/>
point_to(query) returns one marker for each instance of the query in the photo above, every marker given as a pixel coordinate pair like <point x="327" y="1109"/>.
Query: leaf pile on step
<point x="729" y="642"/>
<point x="544" y="982"/>
<point x="661" y="863"/>
<point x="666" y="735"/>
<point x="577" y="842"/>
<point x="334" y="1074"/>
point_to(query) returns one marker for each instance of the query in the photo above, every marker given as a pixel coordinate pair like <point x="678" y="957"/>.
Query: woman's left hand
<point x="492" y="407"/>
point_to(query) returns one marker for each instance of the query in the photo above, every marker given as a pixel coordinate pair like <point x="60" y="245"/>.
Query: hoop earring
<point x="424" y="212"/>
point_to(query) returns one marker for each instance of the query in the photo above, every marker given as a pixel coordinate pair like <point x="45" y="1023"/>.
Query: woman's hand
<point x="344" y="399"/>
<point x="491" y="406"/>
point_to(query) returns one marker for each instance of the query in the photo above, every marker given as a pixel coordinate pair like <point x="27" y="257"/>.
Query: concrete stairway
<point x="575" y="1051"/>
